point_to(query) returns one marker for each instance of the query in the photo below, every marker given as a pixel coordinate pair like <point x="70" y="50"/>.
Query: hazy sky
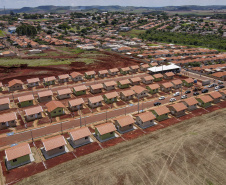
<point x="150" y="3"/>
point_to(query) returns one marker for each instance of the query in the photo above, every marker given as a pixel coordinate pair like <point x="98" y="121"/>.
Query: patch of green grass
<point x="2" y="33"/>
<point x="152" y="44"/>
<point x="33" y="62"/>
<point x="132" y="33"/>
<point x="71" y="50"/>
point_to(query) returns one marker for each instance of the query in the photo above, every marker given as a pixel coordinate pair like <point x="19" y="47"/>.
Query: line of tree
<point x="208" y="41"/>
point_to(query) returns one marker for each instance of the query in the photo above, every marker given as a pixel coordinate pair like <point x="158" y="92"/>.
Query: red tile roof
<point x="128" y="92"/>
<point x="110" y="83"/>
<point x="80" y="88"/>
<point x="54" y="142"/>
<point x="64" y="91"/>
<point x="8" y="117"/>
<point x="33" y="110"/>
<point x="17" y="151"/>
<point x="191" y="101"/>
<point x="125" y="120"/>
<point x="111" y="95"/>
<point x="4" y="101"/>
<point x="45" y="93"/>
<point x="14" y="81"/>
<point x="75" y="74"/>
<point x="179" y="107"/>
<point x="138" y="89"/>
<point x="95" y="99"/>
<point x="52" y="105"/>
<point x="80" y="133"/>
<point x="161" y="110"/>
<point x="76" y="102"/>
<point x="105" y="128"/>
<point x="146" y="116"/>
<point x="26" y="98"/>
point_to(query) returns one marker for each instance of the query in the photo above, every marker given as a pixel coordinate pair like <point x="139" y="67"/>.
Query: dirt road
<point x="191" y="152"/>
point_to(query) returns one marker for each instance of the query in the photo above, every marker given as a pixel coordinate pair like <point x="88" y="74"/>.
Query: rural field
<point x="190" y="152"/>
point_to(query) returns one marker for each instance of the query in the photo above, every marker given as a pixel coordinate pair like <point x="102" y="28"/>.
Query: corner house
<point x="18" y="155"/>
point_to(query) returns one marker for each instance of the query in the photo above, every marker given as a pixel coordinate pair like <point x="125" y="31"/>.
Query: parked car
<point x="196" y="93"/>
<point x="220" y="82"/>
<point x="217" y="87"/>
<point x="205" y="91"/>
<point x="187" y="92"/>
<point x="157" y="103"/>
<point x="212" y="85"/>
<point x="221" y="86"/>
<point x="162" y="98"/>
<point x="184" y="96"/>
<point x="176" y="94"/>
<point x="172" y="99"/>
<point x="197" y="89"/>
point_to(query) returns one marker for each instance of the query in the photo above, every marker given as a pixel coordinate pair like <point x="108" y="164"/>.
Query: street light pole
<point x="32" y="136"/>
<point x="106" y="116"/>
<point x="138" y="105"/>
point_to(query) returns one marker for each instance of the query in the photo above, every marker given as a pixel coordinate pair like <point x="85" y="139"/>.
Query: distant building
<point x="12" y="29"/>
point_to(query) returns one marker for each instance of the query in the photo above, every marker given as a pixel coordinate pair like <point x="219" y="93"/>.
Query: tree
<point x="26" y="29"/>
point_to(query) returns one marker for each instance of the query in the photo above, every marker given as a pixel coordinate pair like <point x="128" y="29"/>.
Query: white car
<point x="184" y="96"/>
<point x="176" y="94"/>
<point x="162" y="98"/>
<point x="217" y="87"/>
<point x="172" y="99"/>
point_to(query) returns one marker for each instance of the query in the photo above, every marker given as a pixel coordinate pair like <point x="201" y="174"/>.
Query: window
<point x="59" y="111"/>
<point x="49" y="96"/>
<point x="12" y="121"/>
<point x="3" y="123"/>
<point x="39" y="113"/>
<point x="60" y="147"/>
<point x="32" y="115"/>
<point x="68" y="94"/>
<point x="86" y="137"/>
<point x="14" y="160"/>
<point x="111" y="132"/>
<point x="29" y="101"/>
<point x="130" y="125"/>
<point x="54" y="112"/>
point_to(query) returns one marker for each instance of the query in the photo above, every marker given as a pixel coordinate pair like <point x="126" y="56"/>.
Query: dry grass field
<point x="191" y="152"/>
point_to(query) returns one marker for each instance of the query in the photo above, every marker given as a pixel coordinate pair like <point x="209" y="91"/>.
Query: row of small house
<point x="54" y="146"/>
<point x="15" y="84"/>
<point x="56" y="108"/>
<point x="139" y="91"/>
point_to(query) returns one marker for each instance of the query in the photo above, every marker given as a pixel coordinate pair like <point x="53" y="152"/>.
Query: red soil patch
<point x="199" y="112"/>
<point x="104" y="107"/>
<point x="185" y="117"/>
<point x="112" y="142"/>
<point x="43" y="121"/>
<point x="23" y="72"/>
<point x="162" y="93"/>
<point x="59" y="159"/>
<point x="153" y="128"/>
<point x="38" y="144"/>
<point x="17" y="174"/>
<point x="87" y="149"/>
<point x="5" y="131"/>
<point x="120" y="103"/>
<point x="133" y="134"/>
<point x="222" y="104"/>
<point x="168" y="122"/>
<point x="86" y="111"/>
<point x="212" y="108"/>
<point x="66" y="116"/>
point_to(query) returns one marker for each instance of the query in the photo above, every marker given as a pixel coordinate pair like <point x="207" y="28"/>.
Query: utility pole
<point x="106" y="115"/>
<point x="80" y="117"/>
<point x="138" y="105"/>
<point x="32" y="136"/>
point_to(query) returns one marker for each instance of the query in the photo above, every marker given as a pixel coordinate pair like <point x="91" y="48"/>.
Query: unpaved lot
<point x="190" y="152"/>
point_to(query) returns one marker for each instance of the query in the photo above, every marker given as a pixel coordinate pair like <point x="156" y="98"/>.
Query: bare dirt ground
<point x="190" y="152"/>
<point x="105" y="60"/>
